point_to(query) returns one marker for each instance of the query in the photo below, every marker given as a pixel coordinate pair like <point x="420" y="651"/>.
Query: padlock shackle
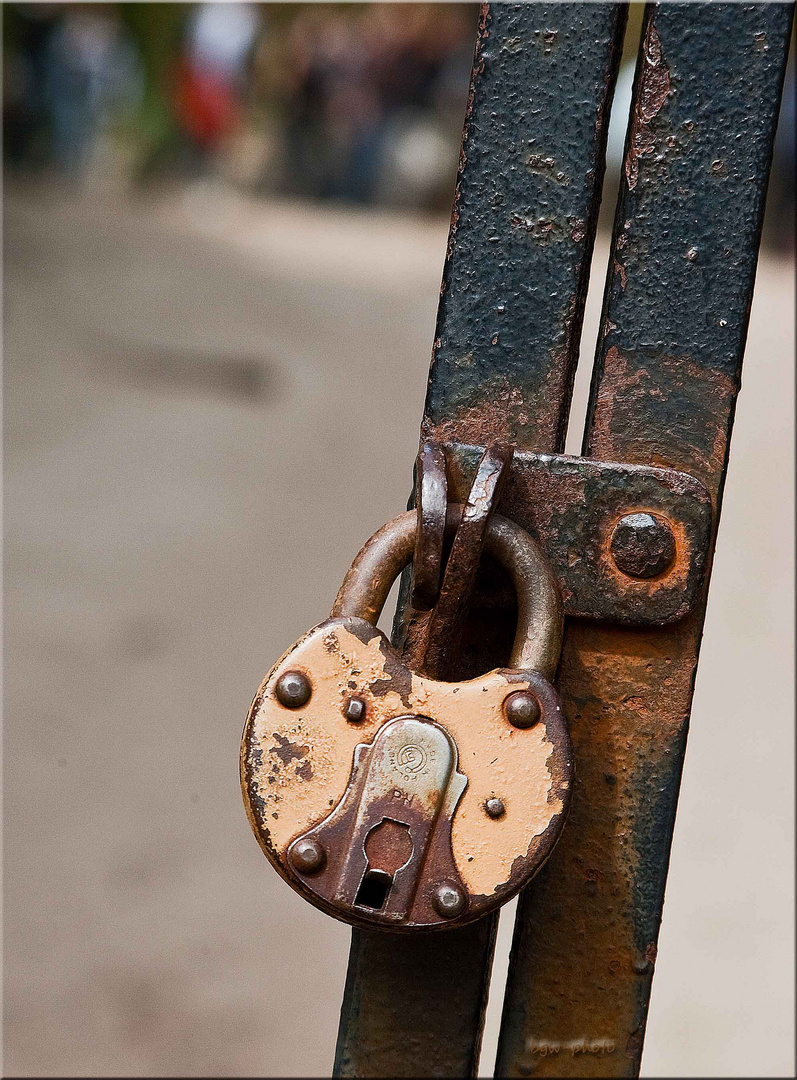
<point x="538" y="638"/>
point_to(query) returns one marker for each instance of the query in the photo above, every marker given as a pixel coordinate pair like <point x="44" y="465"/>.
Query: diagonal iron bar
<point x="504" y="359"/>
<point x="667" y="373"/>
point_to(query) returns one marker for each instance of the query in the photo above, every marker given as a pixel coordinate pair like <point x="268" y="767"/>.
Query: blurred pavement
<point x="210" y="404"/>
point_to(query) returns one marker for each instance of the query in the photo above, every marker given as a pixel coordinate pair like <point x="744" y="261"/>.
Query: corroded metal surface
<point x="538" y="631"/>
<point x="573" y="507"/>
<point x="419" y="1010"/>
<point x="390" y="834"/>
<point x="427" y="756"/>
<point x="431" y="505"/>
<point x="349" y="755"/>
<point x="668" y="370"/>
<point x="442" y="631"/>
<point x="643" y="546"/>
<point x="524" y="219"/>
<point x="415" y="1007"/>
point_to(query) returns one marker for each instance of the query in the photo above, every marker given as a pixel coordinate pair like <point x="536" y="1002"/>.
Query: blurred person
<point x="449" y="92"/>
<point x="423" y="80"/>
<point x="407" y="49"/>
<point x="358" y="92"/>
<point x="294" y="77"/>
<point x="90" y="68"/>
<point x="352" y="111"/>
<point x="210" y="76"/>
<point x="26" y="32"/>
<point x="332" y="108"/>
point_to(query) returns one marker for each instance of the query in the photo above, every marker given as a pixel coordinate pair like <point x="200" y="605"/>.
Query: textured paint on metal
<point x="444" y="626"/>
<point x="419" y="1010"/>
<point x="538" y="633"/>
<point x="423" y="1013"/>
<point x="572" y="505"/>
<point x="523" y="225"/>
<point x="432" y="506"/>
<point x="667" y="373"/>
<point x="297" y="765"/>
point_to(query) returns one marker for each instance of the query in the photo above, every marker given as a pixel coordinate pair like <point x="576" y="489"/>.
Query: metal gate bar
<point x="667" y="373"/>
<point x="503" y="363"/>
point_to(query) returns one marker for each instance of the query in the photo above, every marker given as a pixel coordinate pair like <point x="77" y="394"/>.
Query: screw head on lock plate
<point x="394" y="801"/>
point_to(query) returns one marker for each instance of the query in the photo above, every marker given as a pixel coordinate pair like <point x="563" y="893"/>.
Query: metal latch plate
<point x="574" y="506"/>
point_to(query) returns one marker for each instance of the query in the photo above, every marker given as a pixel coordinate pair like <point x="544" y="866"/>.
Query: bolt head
<point x="522" y="709"/>
<point x="449" y="900"/>
<point x="642" y="546"/>
<point x="307" y="856"/>
<point x="355" y="710"/>
<point x="494" y="808"/>
<point x="293" y="689"/>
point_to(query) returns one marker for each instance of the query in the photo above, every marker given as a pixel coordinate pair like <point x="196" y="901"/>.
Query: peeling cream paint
<point x="499" y="760"/>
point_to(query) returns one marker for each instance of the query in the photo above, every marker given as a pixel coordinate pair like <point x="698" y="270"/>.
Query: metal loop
<point x="431" y="489"/>
<point x="538" y="638"/>
<point x="443" y="631"/>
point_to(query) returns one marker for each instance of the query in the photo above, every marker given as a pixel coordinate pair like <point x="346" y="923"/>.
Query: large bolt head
<point x="642" y="546"/>
<point x="449" y="900"/>
<point x="522" y="709"/>
<point x="293" y="689"/>
<point x="307" y="856"/>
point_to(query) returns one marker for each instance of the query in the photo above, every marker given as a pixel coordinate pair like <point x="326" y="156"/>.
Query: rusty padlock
<point x="399" y="802"/>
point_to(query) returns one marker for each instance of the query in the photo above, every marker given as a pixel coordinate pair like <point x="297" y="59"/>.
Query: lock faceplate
<point x="429" y="808"/>
<point x="391" y="831"/>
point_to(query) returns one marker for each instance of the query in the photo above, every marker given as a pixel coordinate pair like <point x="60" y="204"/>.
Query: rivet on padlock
<point x="396" y="801"/>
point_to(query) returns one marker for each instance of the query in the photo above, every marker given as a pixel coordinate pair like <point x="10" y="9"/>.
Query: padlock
<point x="398" y="802"/>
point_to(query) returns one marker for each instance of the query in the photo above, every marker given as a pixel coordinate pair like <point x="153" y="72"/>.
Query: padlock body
<point x="383" y="811"/>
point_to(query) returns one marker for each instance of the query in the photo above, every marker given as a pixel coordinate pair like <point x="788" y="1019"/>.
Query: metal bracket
<point x="627" y="543"/>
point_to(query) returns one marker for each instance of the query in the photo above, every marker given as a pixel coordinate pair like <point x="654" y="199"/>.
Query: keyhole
<point x="373" y="890"/>
<point x="388" y="847"/>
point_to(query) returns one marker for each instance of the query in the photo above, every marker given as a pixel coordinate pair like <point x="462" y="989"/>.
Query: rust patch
<point x="545" y="230"/>
<point x="287" y="751"/>
<point x="399" y="678"/>
<point x="304" y="771"/>
<point x="541" y="165"/>
<point x="501" y="412"/>
<point x="627" y="401"/>
<point x="446" y="621"/>
<point x="654" y="86"/>
<point x="492" y="857"/>
<point x="633" y="1046"/>
<point x="571" y="506"/>
<point x="496" y="418"/>
<point x="625" y="692"/>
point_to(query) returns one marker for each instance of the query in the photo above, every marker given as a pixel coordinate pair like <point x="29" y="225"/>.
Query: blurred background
<point x="351" y="103"/>
<point x="224" y="230"/>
